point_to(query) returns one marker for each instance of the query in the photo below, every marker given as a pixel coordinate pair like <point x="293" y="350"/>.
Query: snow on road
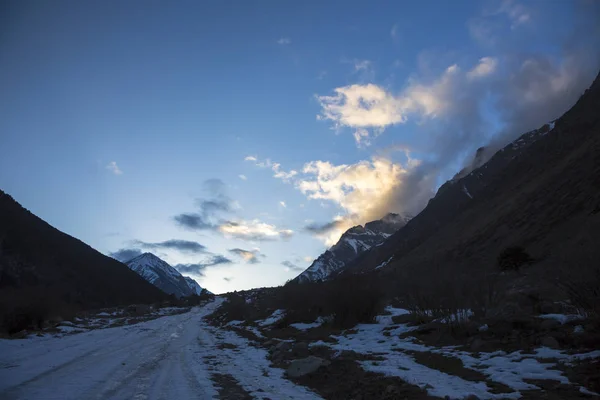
<point x="172" y="357"/>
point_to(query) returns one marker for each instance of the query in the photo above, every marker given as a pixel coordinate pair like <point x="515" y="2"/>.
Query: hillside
<point x="541" y="192"/>
<point x="39" y="262"/>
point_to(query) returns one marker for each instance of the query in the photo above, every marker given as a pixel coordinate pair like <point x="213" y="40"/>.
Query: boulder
<point x="477" y="345"/>
<point x="305" y="366"/>
<point x="549" y="324"/>
<point x="549" y="341"/>
<point x="300" y="349"/>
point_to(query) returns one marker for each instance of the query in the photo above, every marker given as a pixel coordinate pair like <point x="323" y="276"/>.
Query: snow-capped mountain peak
<point x="194" y="286"/>
<point x="159" y="273"/>
<point x="352" y="243"/>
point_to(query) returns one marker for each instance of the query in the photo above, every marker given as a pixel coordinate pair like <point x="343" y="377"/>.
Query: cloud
<point x="282" y="204"/>
<point x="325" y="228"/>
<point x="284" y="41"/>
<point x="290" y="266"/>
<point x="210" y="208"/>
<point x="516" y="12"/>
<point x="362" y="65"/>
<point x="275" y="167"/>
<point x="486" y="66"/>
<point x="494" y="23"/>
<point x="199" y="268"/>
<point x="227" y="278"/>
<point x="253" y="230"/>
<point x="394" y="31"/>
<point x="114" y="168"/>
<point x="175" y="244"/>
<point x="365" y="191"/>
<point x="125" y="255"/>
<point x="369" y="109"/>
<point x="250" y="256"/>
<point x="193" y="221"/>
<point x="243" y="177"/>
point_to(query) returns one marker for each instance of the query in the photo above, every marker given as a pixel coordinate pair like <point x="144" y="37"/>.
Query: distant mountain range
<point x="352" y="244"/>
<point x="159" y="273"/>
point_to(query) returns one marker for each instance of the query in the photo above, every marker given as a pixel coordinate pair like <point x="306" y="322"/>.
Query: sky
<point x="237" y="140"/>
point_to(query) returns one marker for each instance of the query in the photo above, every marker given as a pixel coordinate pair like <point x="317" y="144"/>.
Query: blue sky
<point x="117" y="118"/>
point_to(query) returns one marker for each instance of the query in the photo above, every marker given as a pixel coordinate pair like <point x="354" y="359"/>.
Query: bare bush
<point x="513" y="258"/>
<point x="349" y="300"/>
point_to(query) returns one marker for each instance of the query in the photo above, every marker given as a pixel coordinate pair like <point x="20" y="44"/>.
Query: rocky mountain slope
<point x="38" y="260"/>
<point x="194" y="286"/>
<point x="541" y="191"/>
<point x="352" y="243"/>
<point x="162" y="275"/>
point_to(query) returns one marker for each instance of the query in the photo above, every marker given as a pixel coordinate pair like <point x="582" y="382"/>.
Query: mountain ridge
<point x="351" y="244"/>
<point x="161" y="274"/>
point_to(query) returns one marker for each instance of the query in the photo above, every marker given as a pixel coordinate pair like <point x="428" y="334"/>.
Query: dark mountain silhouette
<point x="38" y="259"/>
<point x="541" y="191"/>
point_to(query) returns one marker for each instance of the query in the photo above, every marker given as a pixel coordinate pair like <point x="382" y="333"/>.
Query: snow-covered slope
<point x="161" y="274"/>
<point x="194" y="286"/>
<point x="353" y="242"/>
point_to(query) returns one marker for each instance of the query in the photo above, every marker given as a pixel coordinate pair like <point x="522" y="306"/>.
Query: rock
<point x="477" y="345"/>
<point x="549" y="341"/>
<point x="301" y="348"/>
<point x="391" y="389"/>
<point x="305" y="366"/>
<point x="427" y="328"/>
<point x="549" y="324"/>
<point x="483" y="328"/>
<point x="548" y="307"/>
<point x="578" y="329"/>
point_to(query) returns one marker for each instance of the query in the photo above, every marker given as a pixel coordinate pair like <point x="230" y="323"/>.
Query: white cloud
<point x="517" y="13"/>
<point x="486" y="66"/>
<point x="243" y="177"/>
<point x="369" y="106"/>
<point x="362" y="190"/>
<point x="284" y="41"/>
<point x="394" y="31"/>
<point x="282" y="204"/>
<point x="286" y="176"/>
<point x="362" y="65"/>
<point x="253" y="230"/>
<point x="114" y="168"/>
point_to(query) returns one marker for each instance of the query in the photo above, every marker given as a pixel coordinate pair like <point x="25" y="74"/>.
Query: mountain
<point x="193" y="285"/>
<point x="541" y="192"/>
<point x="352" y="243"/>
<point x="39" y="262"/>
<point x="161" y="274"/>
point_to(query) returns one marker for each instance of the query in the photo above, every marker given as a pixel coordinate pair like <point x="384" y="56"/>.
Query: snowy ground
<point x="173" y="357"/>
<point x="510" y="369"/>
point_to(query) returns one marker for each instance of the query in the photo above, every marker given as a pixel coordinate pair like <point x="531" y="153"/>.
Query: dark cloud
<point x="125" y="255"/>
<point x="207" y="216"/>
<point x="175" y="244"/>
<point x="250" y="256"/>
<point x="199" y="268"/>
<point x="319" y="229"/>
<point x="194" y="221"/>
<point x="227" y="279"/>
<point x="291" y="266"/>
<point x="210" y="207"/>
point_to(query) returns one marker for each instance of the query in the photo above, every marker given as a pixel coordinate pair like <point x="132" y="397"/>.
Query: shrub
<point x="348" y="300"/>
<point x="513" y="258"/>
